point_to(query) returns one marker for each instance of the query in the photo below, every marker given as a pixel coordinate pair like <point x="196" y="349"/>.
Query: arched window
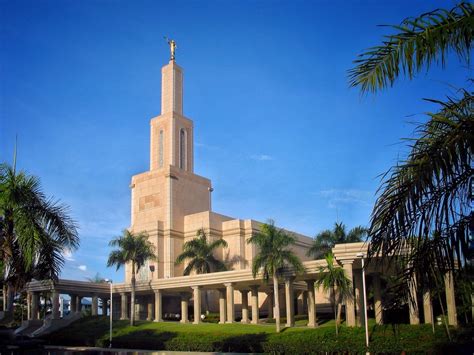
<point x="160" y="149"/>
<point x="182" y="149"/>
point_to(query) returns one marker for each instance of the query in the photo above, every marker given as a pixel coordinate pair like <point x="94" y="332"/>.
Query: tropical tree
<point x="134" y="249"/>
<point x="325" y="240"/>
<point x="34" y="231"/>
<point x="333" y="278"/>
<point x="96" y="279"/>
<point x="274" y="255"/>
<point x="426" y="196"/>
<point x="200" y="254"/>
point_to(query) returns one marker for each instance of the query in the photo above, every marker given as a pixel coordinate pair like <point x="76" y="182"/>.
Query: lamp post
<point x="110" y="311"/>
<point x="362" y="256"/>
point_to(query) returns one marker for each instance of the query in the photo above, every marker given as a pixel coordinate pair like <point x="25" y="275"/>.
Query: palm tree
<point x="325" y="240"/>
<point x="426" y="196"/>
<point x="200" y="254"/>
<point x="96" y="279"/>
<point x="134" y="249"/>
<point x="34" y="231"/>
<point x="273" y="256"/>
<point x="333" y="278"/>
<point x="201" y="257"/>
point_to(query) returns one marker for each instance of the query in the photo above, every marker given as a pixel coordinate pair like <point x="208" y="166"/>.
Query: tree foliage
<point x="325" y="240"/>
<point x="333" y="278"/>
<point x="200" y="254"/>
<point x="34" y="230"/>
<point x="134" y="249"/>
<point x="417" y="43"/>
<point x="422" y="214"/>
<point x="273" y="257"/>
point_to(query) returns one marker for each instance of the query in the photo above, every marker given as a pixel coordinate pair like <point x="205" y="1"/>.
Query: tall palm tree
<point x="325" y="240"/>
<point x="333" y="278"/>
<point x="273" y="256"/>
<point x="34" y="231"/>
<point x="200" y="254"/>
<point x="134" y="249"/>
<point x="426" y="196"/>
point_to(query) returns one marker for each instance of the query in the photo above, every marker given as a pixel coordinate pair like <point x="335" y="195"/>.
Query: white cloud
<point x="68" y="255"/>
<point x="261" y="157"/>
<point x="82" y="267"/>
<point x="338" y="197"/>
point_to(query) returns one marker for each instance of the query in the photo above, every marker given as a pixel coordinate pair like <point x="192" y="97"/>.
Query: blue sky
<point x="277" y="129"/>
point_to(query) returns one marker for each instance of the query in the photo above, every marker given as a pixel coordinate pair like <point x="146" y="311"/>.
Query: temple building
<point x="171" y="203"/>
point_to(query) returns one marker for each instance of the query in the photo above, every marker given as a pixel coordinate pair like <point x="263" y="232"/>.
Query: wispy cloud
<point x="68" y="255"/>
<point x="82" y="267"/>
<point x="261" y="157"/>
<point x="338" y="197"/>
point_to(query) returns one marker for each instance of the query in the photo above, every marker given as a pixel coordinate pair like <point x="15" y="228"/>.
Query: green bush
<point x="387" y="339"/>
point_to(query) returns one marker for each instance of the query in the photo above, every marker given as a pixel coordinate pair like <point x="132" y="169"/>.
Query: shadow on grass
<point x="248" y="343"/>
<point x="143" y="339"/>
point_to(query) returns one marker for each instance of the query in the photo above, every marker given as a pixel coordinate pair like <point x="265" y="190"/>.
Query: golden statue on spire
<point x="173" y="46"/>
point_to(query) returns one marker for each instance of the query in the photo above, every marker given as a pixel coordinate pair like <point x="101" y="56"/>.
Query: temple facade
<point x="171" y="203"/>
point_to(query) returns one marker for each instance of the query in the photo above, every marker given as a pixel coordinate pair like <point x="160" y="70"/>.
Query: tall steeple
<point x="172" y="88"/>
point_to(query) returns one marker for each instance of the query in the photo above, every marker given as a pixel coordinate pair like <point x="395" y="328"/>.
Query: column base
<point x="229" y="322"/>
<point x="244" y="321"/>
<point x="197" y="322"/>
<point x="290" y="325"/>
<point x="184" y="321"/>
<point x="312" y="325"/>
<point x="158" y="320"/>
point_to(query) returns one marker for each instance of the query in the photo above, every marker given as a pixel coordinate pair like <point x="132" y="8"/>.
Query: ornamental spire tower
<point x="169" y="191"/>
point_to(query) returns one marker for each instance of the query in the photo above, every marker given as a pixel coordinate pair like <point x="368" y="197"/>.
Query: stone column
<point x="73" y="303"/>
<point x="254" y="303"/>
<point x="311" y="304"/>
<point x="222" y="306"/>
<point x="149" y="311"/>
<point x="377" y="298"/>
<point x="34" y="305"/>
<point x="95" y="305"/>
<point x="302" y="302"/>
<point x="290" y="302"/>
<point x="427" y="307"/>
<point x="413" y="303"/>
<point x="350" y="309"/>
<point x="158" y="306"/>
<point x="184" y="307"/>
<point x="230" y="302"/>
<point x="55" y="304"/>
<point x="359" y="298"/>
<point x="29" y="296"/>
<point x="245" y="306"/>
<point x="197" y="304"/>
<point x="450" y="300"/>
<point x="123" y="305"/>
<point x="270" y="304"/>
<point x="78" y="304"/>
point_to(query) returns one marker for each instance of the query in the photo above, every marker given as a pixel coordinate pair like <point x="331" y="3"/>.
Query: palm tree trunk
<point x="334" y="307"/>
<point x="132" y="300"/>
<point x="10" y="297"/>
<point x="4" y="290"/>
<point x="206" y="298"/>
<point x="277" y="302"/>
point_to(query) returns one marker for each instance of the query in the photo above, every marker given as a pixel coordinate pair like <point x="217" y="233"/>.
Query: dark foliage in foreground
<point x="93" y="331"/>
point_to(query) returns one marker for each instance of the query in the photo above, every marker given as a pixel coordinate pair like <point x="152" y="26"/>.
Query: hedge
<point x="387" y="339"/>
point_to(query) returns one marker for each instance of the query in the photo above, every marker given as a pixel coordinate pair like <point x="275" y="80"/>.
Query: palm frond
<point x="417" y="43"/>
<point x="429" y="192"/>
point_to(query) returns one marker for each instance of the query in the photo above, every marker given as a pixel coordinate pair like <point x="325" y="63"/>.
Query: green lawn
<point x="94" y="331"/>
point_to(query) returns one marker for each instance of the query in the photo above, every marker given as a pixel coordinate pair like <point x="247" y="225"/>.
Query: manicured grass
<point x="93" y="331"/>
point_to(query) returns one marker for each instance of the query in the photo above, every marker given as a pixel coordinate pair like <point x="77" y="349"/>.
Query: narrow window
<point x="182" y="149"/>
<point x="160" y="155"/>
